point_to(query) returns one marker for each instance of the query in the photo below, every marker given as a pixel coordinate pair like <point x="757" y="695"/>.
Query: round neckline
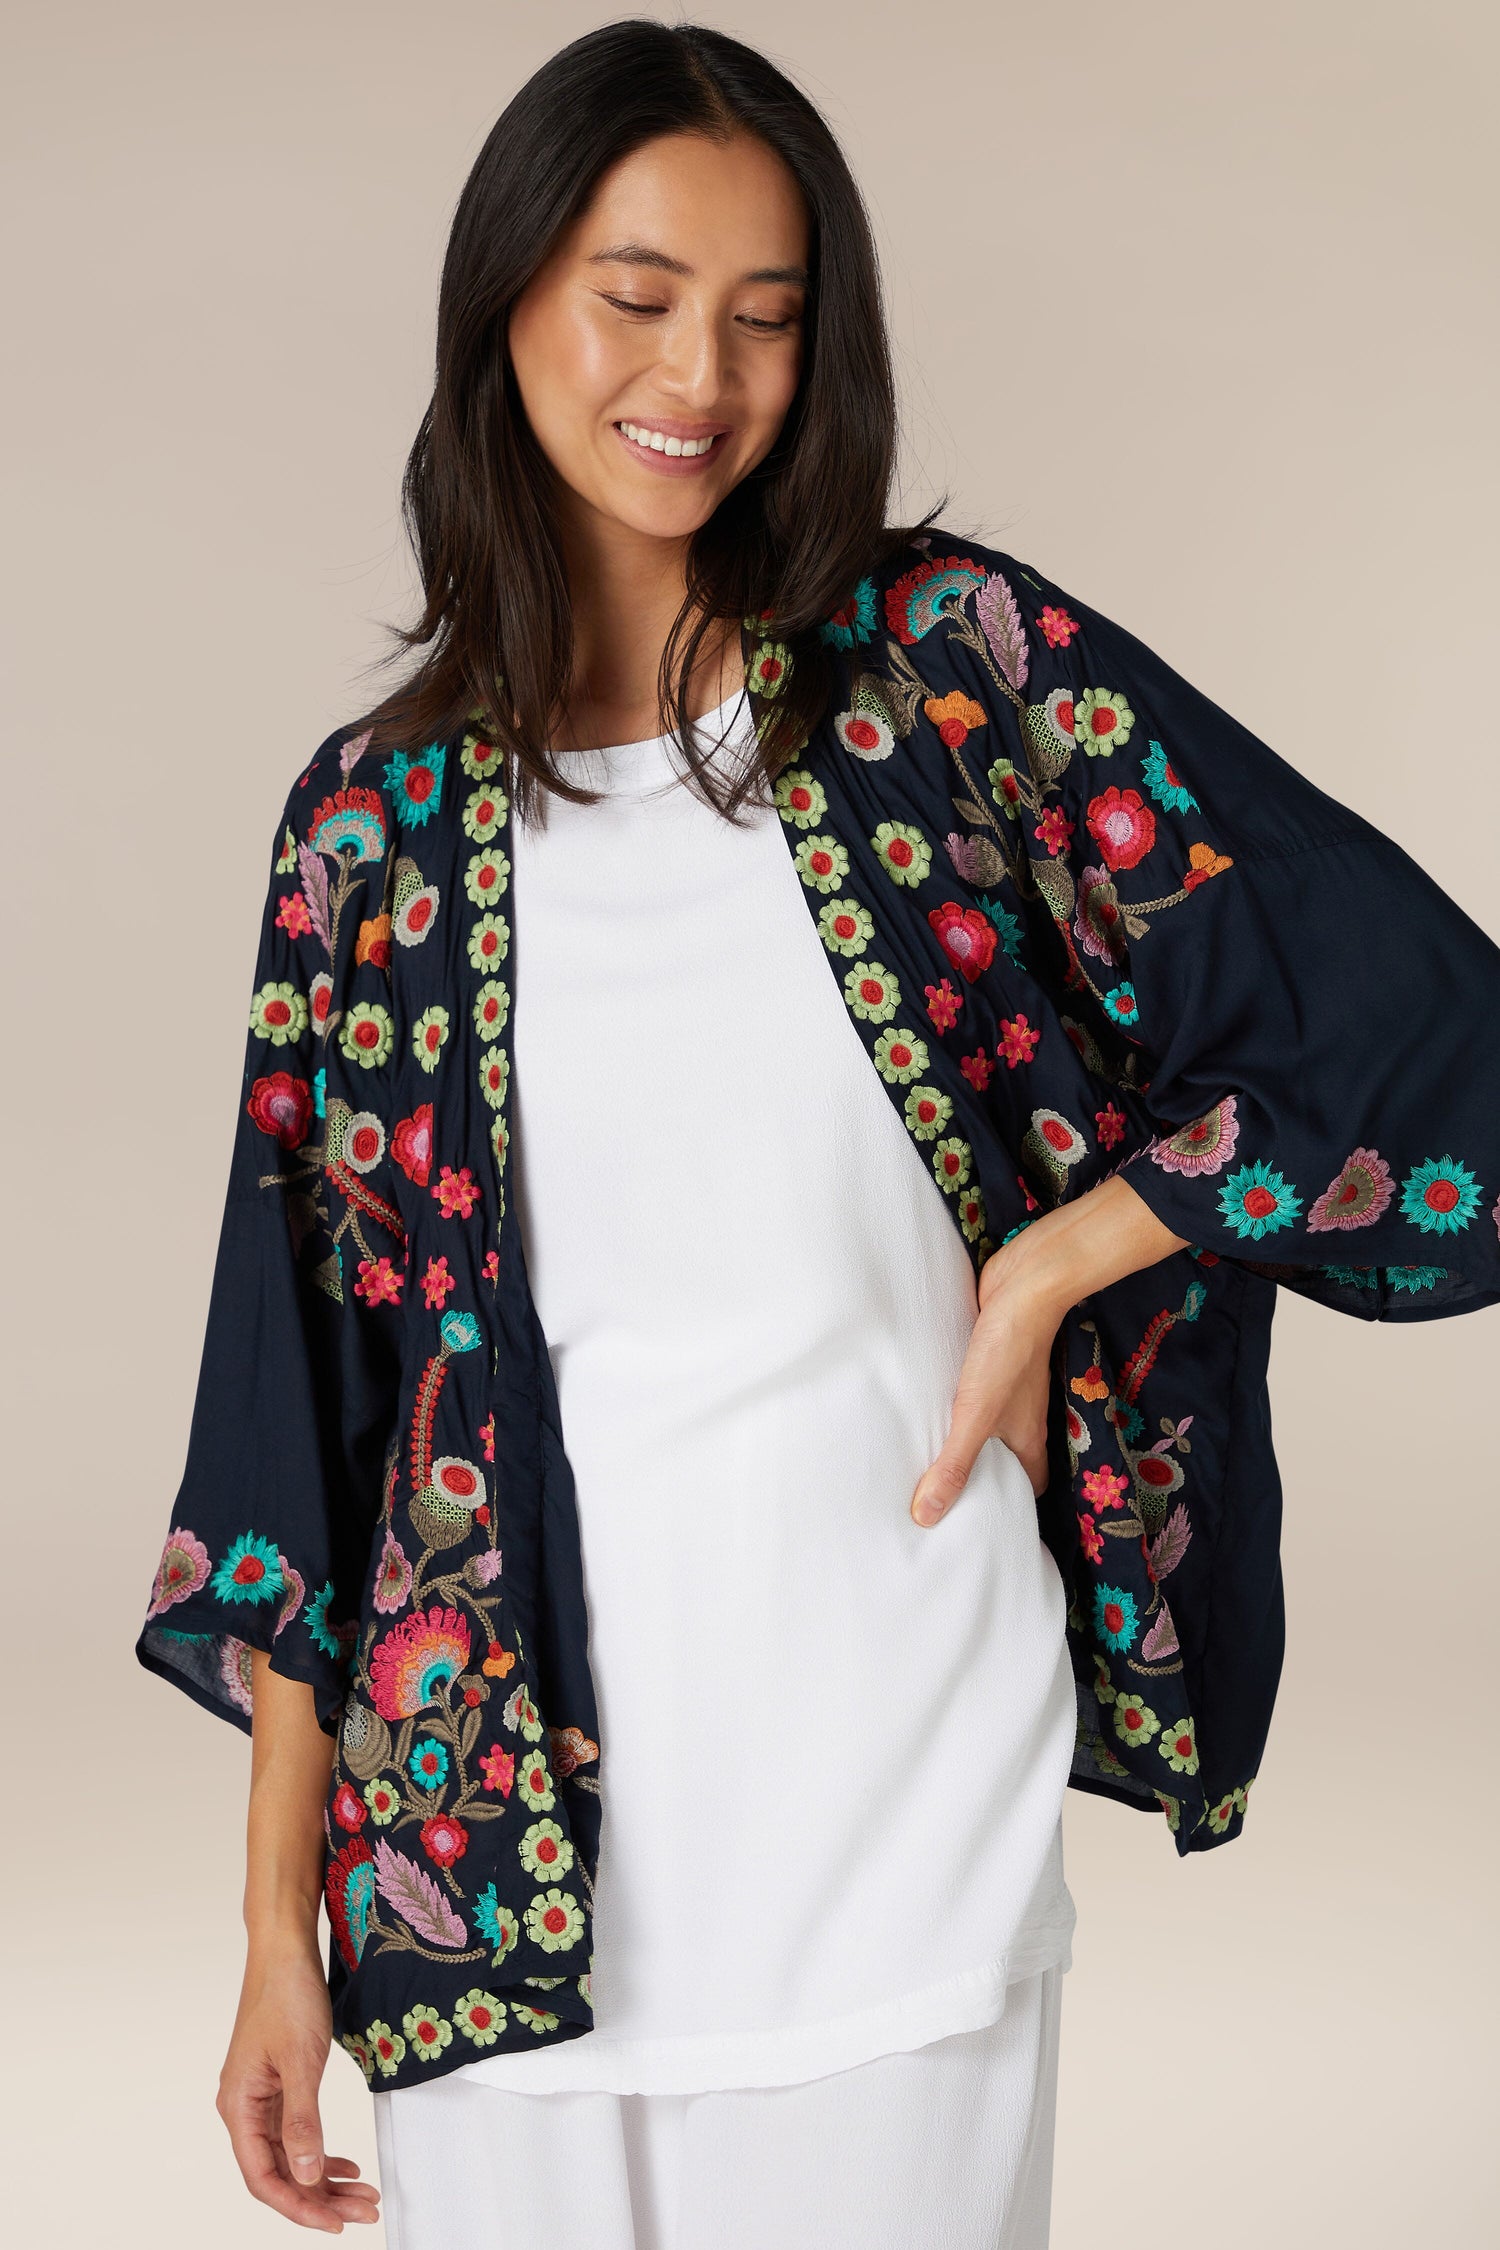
<point x="659" y="741"/>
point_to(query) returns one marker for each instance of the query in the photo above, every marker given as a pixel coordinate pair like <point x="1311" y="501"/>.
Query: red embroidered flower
<point x="1104" y="1488"/>
<point x="943" y="1004"/>
<point x="1122" y="825"/>
<point x="437" y="1284"/>
<point x="293" y="917"/>
<point x="967" y="937"/>
<point x="457" y="1192"/>
<point x="1053" y="829"/>
<point x="978" y="1069"/>
<point x="411" y="1144"/>
<point x="1093" y="1545"/>
<point x="1058" y="626"/>
<point x="1018" y="1040"/>
<point x="498" y="1768"/>
<point x="282" y="1105"/>
<point x="347" y="1809"/>
<point x="1109" y="1124"/>
<point x="378" y="1283"/>
<point x="444" y="1839"/>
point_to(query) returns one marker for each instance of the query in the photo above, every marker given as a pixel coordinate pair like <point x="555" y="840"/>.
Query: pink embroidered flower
<point x="1104" y="1488"/>
<point x="293" y="917"/>
<point x="437" y="1284"/>
<point x="411" y="1144"/>
<point x="1028" y="1198"/>
<point x="457" y="1192"/>
<point x="378" y="1283"/>
<point x="1018" y="1040"/>
<point x="444" y="1838"/>
<point x="347" y="1809"/>
<point x="491" y="1267"/>
<point x="486" y="1566"/>
<point x="487" y="1436"/>
<point x="498" y="1769"/>
<point x="943" y="1004"/>
<point x="1058" y="626"/>
<point x="1109" y="1124"/>
<point x="1093" y="1545"/>
<point x="967" y="937"/>
<point x="978" y="1069"/>
<point x="1054" y="829"/>
<point x="393" y="1579"/>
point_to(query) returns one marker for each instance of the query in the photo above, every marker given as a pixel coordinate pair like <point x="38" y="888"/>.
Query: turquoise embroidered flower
<point x="416" y="783"/>
<point x="320" y="1094"/>
<point x="1257" y="1201"/>
<point x="855" y="621"/>
<point x="323" y="1635"/>
<point x="1116" y="1618"/>
<point x="1415" y="1277"/>
<point x="459" y="1331"/>
<point x="1165" y="787"/>
<point x="1006" y="923"/>
<point x="1440" y="1196"/>
<point x="1120" y="1003"/>
<point x="428" y="1764"/>
<point x="250" y="1572"/>
<point x="495" y="1923"/>
<point x="1352" y="1277"/>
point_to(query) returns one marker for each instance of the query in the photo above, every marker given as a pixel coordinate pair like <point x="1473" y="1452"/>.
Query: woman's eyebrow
<point x="641" y="254"/>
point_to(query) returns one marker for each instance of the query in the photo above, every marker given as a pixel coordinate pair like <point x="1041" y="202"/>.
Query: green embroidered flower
<point x="489" y="941"/>
<point x="534" y="1783"/>
<point x="554" y="1920"/>
<point x="362" y="2051"/>
<point x="1102" y="721"/>
<point x="1220" y="1815"/>
<point x="496" y="1924"/>
<point x="480" y="2017"/>
<point x="971" y="1214"/>
<point x="903" y="851"/>
<point x="534" y="2019"/>
<point x="427" y="2032"/>
<point x="769" y="665"/>
<point x="799" y="798"/>
<point x="388" y="2048"/>
<point x="428" y="1036"/>
<point x="382" y="1798"/>
<point x="1105" y="1759"/>
<point x="545" y="1850"/>
<point x="494" y="1075"/>
<point x="1102" y="1688"/>
<point x="1257" y="1201"/>
<point x="1135" y="1721"/>
<point x="952" y="1162"/>
<point x="483" y="814"/>
<point x="486" y="876"/>
<point x="288" y="859"/>
<point x="1172" y="1807"/>
<point x="927" y="1110"/>
<point x="491" y="1008"/>
<point x="1179" y="1746"/>
<point x="822" y="862"/>
<point x="872" y="992"/>
<point x="845" y="926"/>
<point x="1005" y="786"/>
<point x="1440" y="1196"/>
<point x="481" y="761"/>
<point x="900" y="1055"/>
<point x="367" y="1034"/>
<point x="278" y="1013"/>
<point x="522" y="1714"/>
<point x="544" y="1984"/>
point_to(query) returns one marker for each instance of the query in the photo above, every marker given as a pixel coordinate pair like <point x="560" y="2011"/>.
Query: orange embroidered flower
<point x="955" y="716"/>
<point x="374" y="941"/>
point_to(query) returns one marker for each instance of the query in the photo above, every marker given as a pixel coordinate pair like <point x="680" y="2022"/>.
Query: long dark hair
<point x="785" y="549"/>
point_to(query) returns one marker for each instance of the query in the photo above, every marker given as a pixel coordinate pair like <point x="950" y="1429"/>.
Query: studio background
<point x="1195" y="310"/>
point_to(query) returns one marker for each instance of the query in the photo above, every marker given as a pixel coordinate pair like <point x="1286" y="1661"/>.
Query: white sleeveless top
<point x="757" y="1306"/>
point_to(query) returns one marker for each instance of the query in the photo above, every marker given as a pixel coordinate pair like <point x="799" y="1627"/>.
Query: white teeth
<point x="654" y="442"/>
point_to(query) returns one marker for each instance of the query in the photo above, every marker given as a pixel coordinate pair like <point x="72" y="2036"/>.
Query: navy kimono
<point x="1083" y="922"/>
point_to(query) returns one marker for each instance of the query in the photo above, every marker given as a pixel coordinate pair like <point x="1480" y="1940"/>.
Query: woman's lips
<point x="668" y="464"/>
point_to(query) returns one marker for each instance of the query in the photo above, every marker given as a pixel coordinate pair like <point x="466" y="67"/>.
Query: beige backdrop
<point x="1194" y="308"/>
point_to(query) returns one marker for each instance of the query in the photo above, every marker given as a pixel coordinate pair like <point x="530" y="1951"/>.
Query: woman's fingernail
<point x="926" y="1511"/>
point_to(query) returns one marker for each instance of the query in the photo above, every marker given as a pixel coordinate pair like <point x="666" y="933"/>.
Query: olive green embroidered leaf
<point x="982" y="864"/>
<point x="1046" y="754"/>
<point x="1054" y="880"/>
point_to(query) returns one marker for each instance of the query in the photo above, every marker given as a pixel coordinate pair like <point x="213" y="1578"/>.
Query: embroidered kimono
<point x="1084" y="922"/>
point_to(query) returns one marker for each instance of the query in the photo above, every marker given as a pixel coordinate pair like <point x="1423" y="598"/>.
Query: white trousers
<point x="947" y="2146"/>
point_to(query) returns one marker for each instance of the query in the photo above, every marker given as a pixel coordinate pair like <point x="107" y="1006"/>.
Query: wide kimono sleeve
<point x="297" y="1394"/>
<point x="1310" y="1015"/>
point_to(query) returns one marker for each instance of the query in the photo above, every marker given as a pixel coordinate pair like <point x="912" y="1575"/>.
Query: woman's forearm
<point x="291" y="1760"/>
<point x="1080" y="1247"/>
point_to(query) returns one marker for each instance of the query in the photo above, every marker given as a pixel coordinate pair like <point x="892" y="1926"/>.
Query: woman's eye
<point x="627" y="304"/>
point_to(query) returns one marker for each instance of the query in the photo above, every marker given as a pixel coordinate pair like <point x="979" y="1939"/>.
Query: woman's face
<point x="673" y="305"/>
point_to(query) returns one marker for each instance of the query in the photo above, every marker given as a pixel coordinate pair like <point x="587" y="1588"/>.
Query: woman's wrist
<point x="1079" y="1247"/>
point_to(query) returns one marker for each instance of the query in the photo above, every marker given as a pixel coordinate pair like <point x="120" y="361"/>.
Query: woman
<point x="558" y="1127"/>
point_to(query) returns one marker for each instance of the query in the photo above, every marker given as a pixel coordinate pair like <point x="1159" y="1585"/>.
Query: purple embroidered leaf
<point x="1171" y="1542"/>
<point x="315" y="890"/>
<point x="975" y="859"/>
<point x="1162" y="1638"/>
<point x="995" y="607"/>
<point x="352" y="752"/>
<point x="416" y="1897"/>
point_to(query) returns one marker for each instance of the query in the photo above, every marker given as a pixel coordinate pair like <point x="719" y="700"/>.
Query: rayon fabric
<point x="1082" y="921"/>
<point x="748" y="1408"/>
<point x="950" y="2147"/>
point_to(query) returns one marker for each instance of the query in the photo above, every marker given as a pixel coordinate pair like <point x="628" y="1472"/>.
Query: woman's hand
<point x="268" y="2095"/>
<point x="1024" y="1289"/>
<point x="268" y="2088"/>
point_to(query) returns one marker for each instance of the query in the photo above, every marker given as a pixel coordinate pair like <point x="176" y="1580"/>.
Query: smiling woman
<point x="790" y="1058"/>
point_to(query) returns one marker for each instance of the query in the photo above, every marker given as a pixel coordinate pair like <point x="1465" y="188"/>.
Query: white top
<point x="833" y="1744"/>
